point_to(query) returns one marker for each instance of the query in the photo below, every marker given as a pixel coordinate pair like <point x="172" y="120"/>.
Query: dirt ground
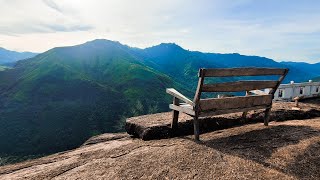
<point x="283" y="150"/>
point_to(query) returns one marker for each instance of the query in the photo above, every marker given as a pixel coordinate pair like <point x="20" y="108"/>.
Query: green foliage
<point x="153" y="109"/>
<point x="120" y="124"/>
<point x="137" y="109"/>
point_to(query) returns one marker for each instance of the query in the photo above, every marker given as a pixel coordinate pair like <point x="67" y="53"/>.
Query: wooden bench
<point x="255" y="98"/>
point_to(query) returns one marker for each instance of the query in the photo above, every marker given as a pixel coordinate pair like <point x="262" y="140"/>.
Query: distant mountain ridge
<point x="307" y="67"/>
<point x="58" y="99"/>
<point x="177" y="62"/>
<point x="8" y="57"/>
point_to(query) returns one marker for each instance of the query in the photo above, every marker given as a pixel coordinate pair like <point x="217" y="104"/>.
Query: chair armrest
<point x="178" y="95"/>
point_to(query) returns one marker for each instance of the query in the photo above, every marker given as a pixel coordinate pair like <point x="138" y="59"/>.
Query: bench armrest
<point x="258" y="92"/>
<point x="178" y="95"/>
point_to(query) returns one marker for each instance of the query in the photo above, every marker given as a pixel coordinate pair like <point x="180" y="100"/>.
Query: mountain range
<point x="8" y="57"/>
<point x="56" y="100"/>
<point x="310" y="68"/>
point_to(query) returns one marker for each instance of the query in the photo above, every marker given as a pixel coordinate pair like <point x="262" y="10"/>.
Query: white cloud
<point x="37" y="16"/>
<point x="280" y="30"/>
<point x="52" y="4"/>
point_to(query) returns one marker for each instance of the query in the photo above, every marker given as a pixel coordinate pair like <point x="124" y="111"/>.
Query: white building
<point x="292" y="90"/>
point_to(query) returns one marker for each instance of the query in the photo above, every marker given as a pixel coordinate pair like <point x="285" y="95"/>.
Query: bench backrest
<point x="238" y="86"/>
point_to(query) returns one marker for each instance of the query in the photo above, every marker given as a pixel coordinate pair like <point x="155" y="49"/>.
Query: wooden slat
<point x="213" y="104"/>
<point x="227" y="111"/>
<point x="224" y="72"/>
<point x="238" y="86"/>
<point x="185" y="109"/>
<point x="178" y="95"/>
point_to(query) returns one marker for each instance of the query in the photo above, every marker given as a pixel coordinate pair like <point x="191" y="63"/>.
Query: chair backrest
<point x="237" y="86"/>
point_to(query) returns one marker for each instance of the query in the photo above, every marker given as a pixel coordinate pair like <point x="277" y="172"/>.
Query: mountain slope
<point x="8" y="57"/>
<point x="58" y="99"/>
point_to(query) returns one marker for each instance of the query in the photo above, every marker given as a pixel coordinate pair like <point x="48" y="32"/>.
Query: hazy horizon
<point x="283" y="31"/>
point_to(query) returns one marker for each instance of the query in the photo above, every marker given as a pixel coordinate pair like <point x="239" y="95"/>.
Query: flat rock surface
<point x="157" y="126"/>
<point x="283" y="150"/>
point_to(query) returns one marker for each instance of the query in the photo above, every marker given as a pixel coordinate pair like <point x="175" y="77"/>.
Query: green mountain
<point x="8" y="57"/>
<point x="58" y="99"/>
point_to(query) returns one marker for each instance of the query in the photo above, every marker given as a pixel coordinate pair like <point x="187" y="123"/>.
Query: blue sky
<point x="278" y="29"/>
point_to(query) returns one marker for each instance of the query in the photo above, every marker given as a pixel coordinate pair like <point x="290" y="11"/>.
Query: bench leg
<point x="175" y="117"/>
<point x="175" y="114"/>
<point x="196" y="128"/>
<point x="244" y="114"/>
<point x="267" y="116"/>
